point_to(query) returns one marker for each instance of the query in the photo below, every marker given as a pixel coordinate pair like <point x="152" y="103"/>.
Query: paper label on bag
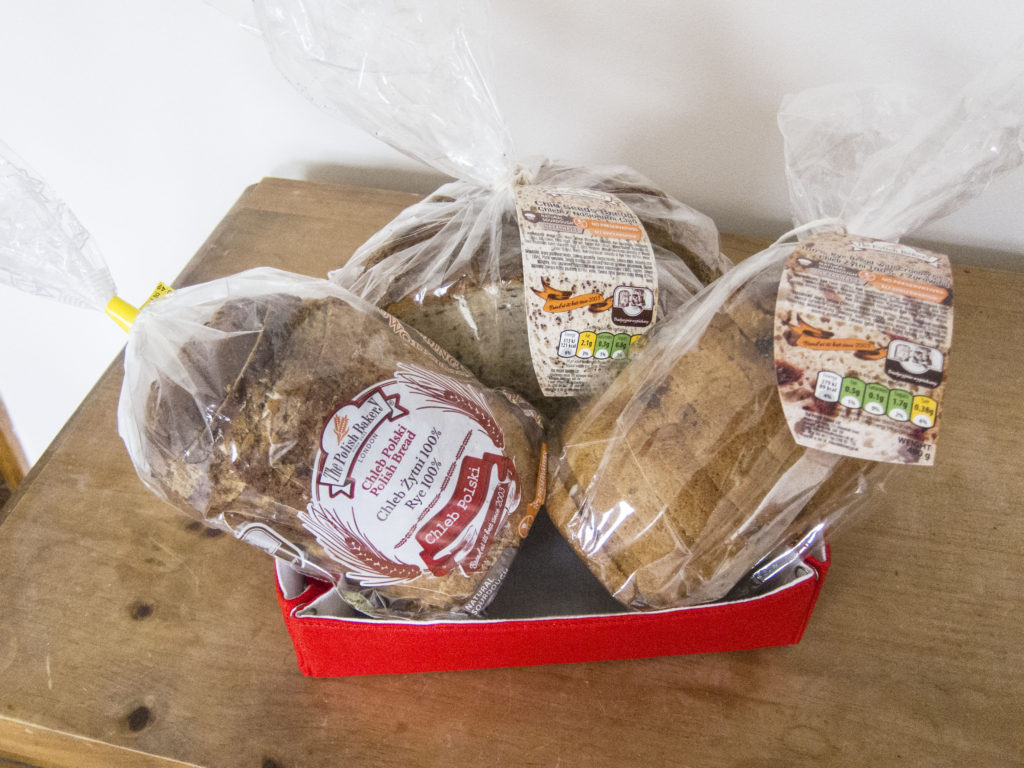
<point x="591" y="285"/>
<point x="863" y="329"/>
<point x="411" y="478"/>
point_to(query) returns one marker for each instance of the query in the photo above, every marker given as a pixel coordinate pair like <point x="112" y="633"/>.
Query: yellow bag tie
<point x="124" y="314"/>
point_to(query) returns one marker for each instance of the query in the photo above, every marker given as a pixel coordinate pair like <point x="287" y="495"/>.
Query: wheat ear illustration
<point x="452" y="396"/>
<point x="350" y="547"/>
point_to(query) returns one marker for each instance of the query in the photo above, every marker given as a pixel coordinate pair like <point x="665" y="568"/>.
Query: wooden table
<point x="130" y="636"/>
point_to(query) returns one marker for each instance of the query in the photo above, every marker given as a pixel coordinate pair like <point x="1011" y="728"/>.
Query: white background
<point x="150" y="118"/>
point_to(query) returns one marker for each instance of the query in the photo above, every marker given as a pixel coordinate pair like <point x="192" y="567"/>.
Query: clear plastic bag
<point x="452" y="265"/>
<point x="44" y="249"/>
<point x="309" y="423"/>
<point x="304" y="421"/>
<point x="683" y="476"/>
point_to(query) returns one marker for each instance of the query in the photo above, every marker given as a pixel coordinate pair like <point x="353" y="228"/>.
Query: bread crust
<point x="242" y="447"/>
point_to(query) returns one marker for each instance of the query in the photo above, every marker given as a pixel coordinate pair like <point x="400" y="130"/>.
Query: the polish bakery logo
<point x="351" y="428"/>
<point x="411" y="479"/>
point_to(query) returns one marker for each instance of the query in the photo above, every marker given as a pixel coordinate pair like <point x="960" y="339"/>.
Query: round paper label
<point x="411" y="478"/>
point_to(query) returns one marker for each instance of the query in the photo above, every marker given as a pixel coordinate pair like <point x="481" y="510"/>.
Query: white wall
<point x="150" y="118"/>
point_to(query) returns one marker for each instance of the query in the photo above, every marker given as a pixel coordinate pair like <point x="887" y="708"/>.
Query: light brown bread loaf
<point x="672" y="486"/>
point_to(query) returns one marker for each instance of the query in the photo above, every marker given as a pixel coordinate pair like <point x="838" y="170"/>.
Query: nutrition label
<point x="591" y="284"/>
<point x="876" y="399"/>
<point x="862" y="335"/>
<point x="600" y="346"/>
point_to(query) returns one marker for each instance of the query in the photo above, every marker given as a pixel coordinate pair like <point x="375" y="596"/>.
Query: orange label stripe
<point x="563" y="301"/>
<point x="910" y="288"/>
<point x="601" y="228"/>
<point x="803" y="334"/>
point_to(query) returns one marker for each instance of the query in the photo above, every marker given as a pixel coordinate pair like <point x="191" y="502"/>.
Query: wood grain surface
<point x="131" y="636"/>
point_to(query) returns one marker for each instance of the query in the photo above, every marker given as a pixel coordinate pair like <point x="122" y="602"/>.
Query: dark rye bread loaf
<point x="668" y="507"/>
<point x="473" y="303"/>
<point x="235" y="439"/>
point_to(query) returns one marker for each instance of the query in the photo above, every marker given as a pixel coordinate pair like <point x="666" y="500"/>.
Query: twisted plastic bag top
<point x="452" y="265"/>
<point x="883" y="161"/>
<point x="402" y="70"/>
<point x="44" y="249"/>
<point x="887" y="162"/>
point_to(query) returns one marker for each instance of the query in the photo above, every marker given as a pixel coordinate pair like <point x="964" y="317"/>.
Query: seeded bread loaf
<point x="451" y="266"/>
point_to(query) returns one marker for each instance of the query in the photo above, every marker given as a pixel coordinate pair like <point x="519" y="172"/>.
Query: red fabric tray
<point x="336" y="647"/>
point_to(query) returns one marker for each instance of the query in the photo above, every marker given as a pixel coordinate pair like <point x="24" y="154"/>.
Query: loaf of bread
<point x="244" y="397"/>
<point x="451" y="266"/>
<point x="684" y="474"/>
